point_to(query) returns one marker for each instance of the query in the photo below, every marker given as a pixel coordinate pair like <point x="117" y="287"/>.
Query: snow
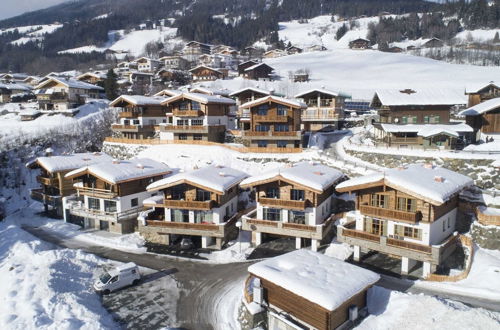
<point x="435" y="96"/>
<point x="272" y="98"/>
<point x="136" y="41"/>
<point x="123" y="170"/>
<point x="318" y="90"/>
<point x="325" y="281"/>
<point x="203" y="98"/>
<point x="70" y="162"/>
<point x="473" y="88"/>
<point x="71" y="83"/>
<point x="391" y="310"/>
<point x="481" y="108"/>
<point x="138" y="100"/>
<point x="337" y="250"/>
<point x="432" y="183"/>
<point x="251" y="89"/>
<point x="427" y="130"/>
<point x="218" y="178"/>
<point x="478" y="35"/>
<point x="316" y="176"/>
<point x="489" y="210"/>
<point x="82" y="50"/>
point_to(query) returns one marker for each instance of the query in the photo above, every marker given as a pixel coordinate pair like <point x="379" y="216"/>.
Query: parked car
<point x="186" y="244"/>
<point x="117" y="278"/>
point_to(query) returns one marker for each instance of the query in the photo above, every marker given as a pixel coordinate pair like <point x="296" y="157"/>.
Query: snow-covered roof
<point x="217" y="178"/>
<point x="430" y="183"/>
<point x="210" y="91"/>
<point x="252" y="89"/>
<point x="481" y="108"/>
<point x="475" y="88"/>
<point x="71" y="83"/>
<point x="123" y="170"/>
<point x="272" y="98"/>
<point x="323" y="280"/>
<point x="427" y="130"/>
<point x="138" y="100"/>
<point x="314" y="175"/>
<point x="71" y="162"/>
<point x="256" y="66"/>
<point x="14" y="86"/>
<point x="168" y="92"/>
<point x="204" y="67"/>
<point x="202" y="98"/>
<point x="401" y="97"/>
<point x="321" y="90"/>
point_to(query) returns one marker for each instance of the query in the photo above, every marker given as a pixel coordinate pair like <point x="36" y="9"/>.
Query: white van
<point x="117" y="278"/>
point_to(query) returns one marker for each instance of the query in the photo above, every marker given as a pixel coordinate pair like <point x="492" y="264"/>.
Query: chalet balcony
<point x="77" y="208"/>
<point x="128" y="114"/>
<point x="394" y="246"/>
<point x="133" y="128"/>
<point x="188" y="113"/>
<point x="189" y="205"/>
<point x="271" y="119"/>
<point x="409" y="140"/>
<point x="95" y="192"/>
<point x="40" y="196"/>
<point x="251" y="223"/>
<point x="184" y="129"/>
<point x="290" y="135"/>
<point x="47" y="181"/>
<point x="285" y="204"/>
<point x="372" y="211"/>
<point x="320" y="115"/>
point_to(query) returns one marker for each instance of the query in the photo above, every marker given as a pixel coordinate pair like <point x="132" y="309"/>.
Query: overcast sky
<point x="16" y="7"/>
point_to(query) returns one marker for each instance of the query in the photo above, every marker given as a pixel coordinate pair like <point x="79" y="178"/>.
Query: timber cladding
<point x="307" y="311"/>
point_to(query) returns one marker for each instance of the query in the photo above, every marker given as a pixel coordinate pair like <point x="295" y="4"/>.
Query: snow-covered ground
<point x="477" y="35"/>
<point x="82" y="50"/>
<point x="395" y="310"/>
<point x="135" y="41"/>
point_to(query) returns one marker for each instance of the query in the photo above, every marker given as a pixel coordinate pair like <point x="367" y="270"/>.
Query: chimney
<point x="428" y="165"/>
<point x="49" y="152"/>
<point x="222" y="174"/>
<point x="140" y="166"/>
<point x="438" y="178"/>
<point x="116" y="161"/>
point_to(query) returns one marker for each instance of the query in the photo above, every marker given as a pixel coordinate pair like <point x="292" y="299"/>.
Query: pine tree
<point x="496" y="39"/>
<point x="111" y="85"/>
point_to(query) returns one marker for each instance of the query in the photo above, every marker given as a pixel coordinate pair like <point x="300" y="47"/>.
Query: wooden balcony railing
<point x="297" y="226"/>
<point x="188" y="113"/>
<point x="190" y="205"/>
<point x="39" y="195"/>
<point x="404" y="139"/>
<point x="95" y="192"/>
<point x="275" y="202"/>
<point x="409" y="245"/>
<point x="184" y="128"/>
<point x="270" y="119"/>
<point x="360" y="234"/>
<point x="184" y="225"/>
<point x="128" y="114"/>
<point x="47" y="181"/>
<point x="411" y="217"/>
<point x="135" y="128"/>
<point x="267" y="223"/>
<point x="319" y="115"/>
<point x="272" y="133"/>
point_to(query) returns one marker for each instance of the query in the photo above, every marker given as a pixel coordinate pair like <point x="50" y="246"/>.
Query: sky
<point x="12" y="8"/>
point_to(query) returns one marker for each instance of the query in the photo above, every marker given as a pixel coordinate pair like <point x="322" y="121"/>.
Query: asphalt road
<point x="206" y="287"/>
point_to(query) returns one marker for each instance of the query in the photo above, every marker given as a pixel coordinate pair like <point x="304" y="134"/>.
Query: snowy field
<point x="135" y="41"/>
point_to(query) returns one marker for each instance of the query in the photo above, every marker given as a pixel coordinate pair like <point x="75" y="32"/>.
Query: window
<point x="272" y="214"/>
<point x="435" y="119"/>
<point x="109" y="206"/>
<point x="184" y="105"/>
<point x="94" y="203"/>
<point x="182" y="122"/>
<point x="378" y="200"/>
<point x="409" y="232"/>
<point x="134" y="202"/>
<point x="406" y="204"/>
<point x="281" y="128"/>
<point x="183" y="137"/>
<point x="281" y="110"/>
<point x="281" y="144"/>
<point x="262" y="110"/>
<point x="273" y="192"/>
<point x="136" y="122"/>
<point x="449" y="223"/>
<point x="375" y="226"/>
<point x="297" y="217"/>
<point x="196" y="122"/>
<point x="197" y="137"/>
<point x="178" y="193"/>
<point x="444" y="225"/>
<point x="261" y="128"/>
<point x="180" y="215"/>
<point x="202" y="216"/>
<point x="195" y="105"/>
<point x="404" y="120"/>
<point x="297" y="195"/>
<point x="202" y="195"/>
<point x="426" y="119"/>
<point x="262" y="144"/>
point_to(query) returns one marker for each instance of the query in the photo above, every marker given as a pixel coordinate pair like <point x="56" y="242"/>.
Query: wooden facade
<point x="488" y="92"/>
<point x="323" y="110"/>
<point x="258" y="71"/>
<point x="204" y="73"/>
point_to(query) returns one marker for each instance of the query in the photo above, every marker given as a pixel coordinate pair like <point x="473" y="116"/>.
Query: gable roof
<point x="252" y="89"/>
<point x="62" y="163"/>
<point x="204" y="67"/>
<point x="430" y="183"/>
<point x="137" y="100"/>
<point x="476" y="88"/>
<point x="427" y="130"/>
<point x="210" y="91"/>
<point x="115" y="172"/>
<point x="401" y="97"/>
<point x="70" y="83"/>
<point x="325" y="281"/>
<point x="321" y="90"/>
<point x="168" y="92"/>
<point x="215" y="178"/>
<point x="202" y="98"/>
<point x="315" y="176"/>
<point x="272" y="98"/>
<point x="481" y="108"/>
<point x="253" y="67"/>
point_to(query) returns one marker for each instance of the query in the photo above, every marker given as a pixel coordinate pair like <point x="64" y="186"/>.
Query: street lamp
<point x="238" y="224"/>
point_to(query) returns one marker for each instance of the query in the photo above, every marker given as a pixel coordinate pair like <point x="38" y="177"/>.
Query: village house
<point x="273" y="53"/>
<point x="145" y="64"/>
<point x="481" y="93"/>
<point x="244" y="65"/>
<point x="200" y="203"/>
<point x="259" y="71"/>
<point x="419" y="119"/>
<point x="315" y="48"/>
<point x="32" y="80"/>
<point x="94" y="78"/>
<point x="54" y="186"/>
<point x="360" y="43"/>
<point x="307" y="290"/>
<point x="109" y="195"/>
<point x="293" y="50"/>
<point x="64" y="93"/>
<point x="196" y="117"/>
<point x="324" y="109"/>
<point x="433" y="42"/>
<point x="484" y="118"/>
<point x="5" y="93"/>
<point x="166" y="93"/>
<point x="242" y="96"/>
<point x="205" y="73"/>
<point x="295" y="201"/>
<point x="274" y="124"/>
<point x="13" y="77"/>
<point x="409" y="212"/>
<point x="194" y="49"/>
<point x="174" y="62"/>
<point x="139" y="117"/>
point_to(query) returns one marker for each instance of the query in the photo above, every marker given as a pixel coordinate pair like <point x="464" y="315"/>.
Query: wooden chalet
<point x="94" y="78"/>
<point x="316" y="48"/>
<point x="196" y="117"/>
<point x="245" y="65"/>
<point x="174" y="62"/>
<point x="484" y="118"/>
<point x="5" y="94"/>
<point x="243" y="96"/>
<point x="433" y="42"/>
<point x="304" y="289"/>
<point x="481" y="93"/>
<point x="201" y="203"/>
<point x="325" y="109"/>
<point x="54" y="186"/>
<point x="145" y="64"/>
<point x="274" y="124"/>
<point x="295" y="201"/>
<point x="110" y="195"/>
<point x="409" y="212"/>
<point x="360" y="43"/>
<point x="258" y="71"/>
<point x="139" y="117"/>
<point x="273" y="53"/>
<point x="293" y="50"/>
<point x="194" y="49"/>
<point x="205" y="73"/>
<point x="419" y="118"/>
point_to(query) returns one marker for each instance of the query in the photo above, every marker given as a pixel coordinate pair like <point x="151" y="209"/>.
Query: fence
<point x="487" y="219"/>
<point x="465" y="241"/>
